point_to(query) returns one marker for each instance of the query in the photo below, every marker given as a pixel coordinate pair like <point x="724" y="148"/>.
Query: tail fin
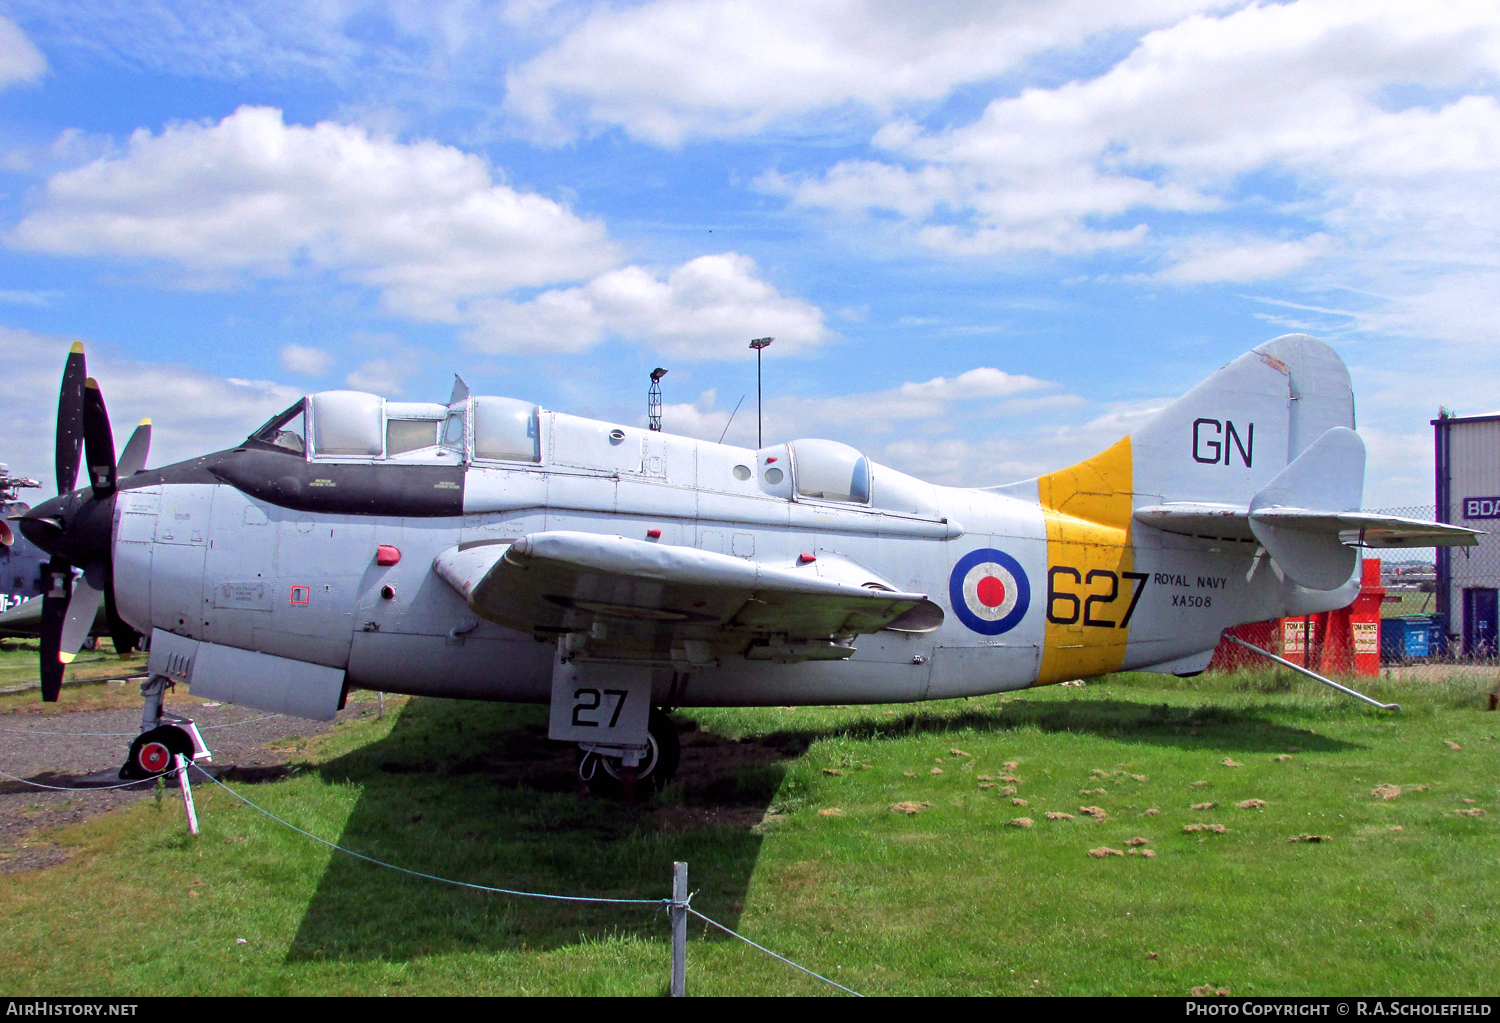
<point x="1229" y="437"/>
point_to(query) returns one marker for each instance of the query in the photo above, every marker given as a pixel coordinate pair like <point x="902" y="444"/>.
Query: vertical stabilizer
<point x="1227" y="438"/>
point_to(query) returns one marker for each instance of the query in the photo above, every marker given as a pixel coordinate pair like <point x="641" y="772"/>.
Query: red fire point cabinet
<point x="1342" y="642"/>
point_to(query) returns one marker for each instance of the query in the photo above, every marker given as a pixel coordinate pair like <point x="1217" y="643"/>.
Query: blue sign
<point x="1482" y="507"/>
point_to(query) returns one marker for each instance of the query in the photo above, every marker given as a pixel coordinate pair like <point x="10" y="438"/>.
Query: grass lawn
<point x="1399" y="897"/>
<point x="19" y="664"/>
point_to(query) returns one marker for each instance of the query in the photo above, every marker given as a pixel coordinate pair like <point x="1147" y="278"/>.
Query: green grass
<point x="949" y="900"/>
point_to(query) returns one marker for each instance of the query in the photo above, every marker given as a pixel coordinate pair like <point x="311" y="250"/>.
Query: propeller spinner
<point x="76" y="526"/>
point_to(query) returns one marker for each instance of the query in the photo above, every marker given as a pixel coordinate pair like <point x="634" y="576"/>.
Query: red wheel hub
<point x="154" y="757"/>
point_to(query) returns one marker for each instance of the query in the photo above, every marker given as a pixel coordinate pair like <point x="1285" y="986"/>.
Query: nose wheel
<point x="608" y="775"/>
<point x="155" y="752"/>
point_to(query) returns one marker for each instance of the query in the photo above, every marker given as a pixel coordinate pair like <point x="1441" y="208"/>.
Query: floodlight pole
<point x="759" y="345"/>
<point x="653" y="399"/>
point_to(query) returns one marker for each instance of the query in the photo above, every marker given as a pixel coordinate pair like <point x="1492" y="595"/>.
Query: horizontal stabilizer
<point x="1307" y="517"/>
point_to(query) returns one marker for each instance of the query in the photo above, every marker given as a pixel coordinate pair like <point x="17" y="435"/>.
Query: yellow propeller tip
<point x="77" y="348"/>
<point x="90" y="382"/>
<point x="144" y="422"/>
<point x="65" y="658"/>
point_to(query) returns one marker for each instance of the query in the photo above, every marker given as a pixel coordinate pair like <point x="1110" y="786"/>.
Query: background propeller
<point x="76" y="527"/>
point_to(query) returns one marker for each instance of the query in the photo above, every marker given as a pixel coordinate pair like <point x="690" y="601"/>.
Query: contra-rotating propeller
<point x="76" y="527"/>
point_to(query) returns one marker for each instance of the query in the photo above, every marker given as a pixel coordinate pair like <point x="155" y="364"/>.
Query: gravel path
<point x="97" y="741"/>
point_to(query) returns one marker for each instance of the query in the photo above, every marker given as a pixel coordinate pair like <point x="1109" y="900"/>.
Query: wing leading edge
<point x="634" y="599"/>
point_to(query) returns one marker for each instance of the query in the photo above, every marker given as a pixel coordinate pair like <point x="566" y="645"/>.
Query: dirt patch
<point x="679" y="819"/>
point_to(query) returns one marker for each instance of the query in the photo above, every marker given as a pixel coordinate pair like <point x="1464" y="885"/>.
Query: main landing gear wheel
<point x="606" y="776"/>
<point x="155" y="752"/>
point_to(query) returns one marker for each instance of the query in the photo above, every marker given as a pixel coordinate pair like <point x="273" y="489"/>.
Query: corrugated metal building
<point x="1467" y="450"/>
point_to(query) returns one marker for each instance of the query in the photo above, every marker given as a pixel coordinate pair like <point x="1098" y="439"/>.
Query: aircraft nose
<point x="46" y="524"/>
<point x="74" y="526"/>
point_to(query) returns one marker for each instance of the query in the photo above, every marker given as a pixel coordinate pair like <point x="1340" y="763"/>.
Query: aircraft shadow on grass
<point x="1230" y="729"/>
<point x="476" y="792"/>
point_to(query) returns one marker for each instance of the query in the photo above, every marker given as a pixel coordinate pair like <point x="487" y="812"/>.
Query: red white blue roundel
<point x="989" y="591"/>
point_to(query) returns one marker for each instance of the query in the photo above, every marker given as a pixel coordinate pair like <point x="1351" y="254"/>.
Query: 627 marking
<point x="1086" y="607"/>
<point x="595" y="693"/>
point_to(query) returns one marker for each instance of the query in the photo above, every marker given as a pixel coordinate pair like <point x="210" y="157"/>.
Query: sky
<point x="989" y="238"/>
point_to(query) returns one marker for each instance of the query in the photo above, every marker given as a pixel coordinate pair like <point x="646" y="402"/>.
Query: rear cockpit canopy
<point x="825" y="470"/>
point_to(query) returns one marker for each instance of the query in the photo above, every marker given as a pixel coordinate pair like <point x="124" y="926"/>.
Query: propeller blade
<point x="133" y="458"/>
<point x="83" y="608"/>
<point x="98" y="441"/>
<point x="70" y="420"/>
<point x="54" y="614"/>
<point x="7" y="535"/>
<point x="126" y="638"/>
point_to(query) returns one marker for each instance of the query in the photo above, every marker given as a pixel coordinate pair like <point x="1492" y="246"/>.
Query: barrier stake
<point x="187" y="794"/>
<point x="679" y="929"/>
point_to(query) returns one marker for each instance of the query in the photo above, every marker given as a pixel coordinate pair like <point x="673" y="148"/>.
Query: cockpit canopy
<point x="831" y="471"/>
<point x="353" y="424"/>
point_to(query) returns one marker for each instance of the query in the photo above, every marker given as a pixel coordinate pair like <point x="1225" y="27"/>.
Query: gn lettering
<point x="1214" y="441"/>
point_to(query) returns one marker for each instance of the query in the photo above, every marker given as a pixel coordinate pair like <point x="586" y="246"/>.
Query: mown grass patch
<point x="786" y="819"/>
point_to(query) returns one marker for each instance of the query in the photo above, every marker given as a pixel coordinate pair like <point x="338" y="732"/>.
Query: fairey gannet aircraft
<point x="490" y="549"/>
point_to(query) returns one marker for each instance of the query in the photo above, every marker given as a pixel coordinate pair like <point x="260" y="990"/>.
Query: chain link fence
<point x="1454" y="588"/>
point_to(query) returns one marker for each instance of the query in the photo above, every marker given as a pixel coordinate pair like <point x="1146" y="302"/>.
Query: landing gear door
<point x="600" y="704"/>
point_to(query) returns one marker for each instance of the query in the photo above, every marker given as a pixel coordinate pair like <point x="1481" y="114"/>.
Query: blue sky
<point x="989" y="237"/>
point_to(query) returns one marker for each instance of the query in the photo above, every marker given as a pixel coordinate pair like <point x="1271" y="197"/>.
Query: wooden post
<point x="679" y="930"/>
<point x="187" y="794"/>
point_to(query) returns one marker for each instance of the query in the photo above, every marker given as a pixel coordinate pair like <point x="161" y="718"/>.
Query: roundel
<point x="989" y="591"/>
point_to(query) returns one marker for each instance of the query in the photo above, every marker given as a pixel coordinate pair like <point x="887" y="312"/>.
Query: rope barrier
<point x="660" y="903"/>
<point x="773" y="955"/>
<point x="418" y="873"/>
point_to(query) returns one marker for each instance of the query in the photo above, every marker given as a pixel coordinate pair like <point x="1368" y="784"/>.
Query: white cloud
<point x="669" y="70"/>
<point x="1208" y="259"/>
<point x="707" y="308"/>
<point x="425" y="224"/>
<point x="1365" y="132"/>
<point x="192" y="412"/>
<point x="20" y="60"/>
<point x="304" y="360"/>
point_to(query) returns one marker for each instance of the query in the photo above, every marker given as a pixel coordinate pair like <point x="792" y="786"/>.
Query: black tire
<point x="603" y="775"/>
<point x="155" y="753"/>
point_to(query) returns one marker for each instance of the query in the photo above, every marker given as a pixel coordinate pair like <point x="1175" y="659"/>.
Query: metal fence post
<point x="679" y="930"/>
<point x="187" y="793"/>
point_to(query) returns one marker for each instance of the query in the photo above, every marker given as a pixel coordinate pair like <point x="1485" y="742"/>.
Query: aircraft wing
<point x="1230" y="522"/>
<point x="633" y="598"/>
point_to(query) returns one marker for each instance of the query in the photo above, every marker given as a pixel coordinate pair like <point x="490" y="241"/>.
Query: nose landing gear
<point x="164" y="737"/>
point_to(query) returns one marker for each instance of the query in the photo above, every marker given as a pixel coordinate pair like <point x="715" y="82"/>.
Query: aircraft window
<point x="409" y="434"/>
<point x="832" y="471"/>
<point x="741" y="472"/>
<point x="453" y="431"/>
<point x="285" y="431"/>
<point x="773" y="475"/>
<point x="506" y="428"/>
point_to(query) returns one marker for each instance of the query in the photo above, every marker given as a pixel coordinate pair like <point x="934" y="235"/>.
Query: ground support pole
<point x="1312" y="674"/>
<point x="187" y="793"/>
<point x="679" y="929"/>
